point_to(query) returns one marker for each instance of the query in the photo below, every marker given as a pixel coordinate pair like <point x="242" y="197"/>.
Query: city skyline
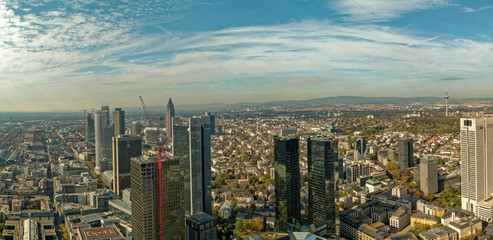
<point x="83" y="53"/>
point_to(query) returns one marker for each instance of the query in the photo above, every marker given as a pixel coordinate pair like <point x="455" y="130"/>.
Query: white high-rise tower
<point x="446" y="102"/>
<point x="476" y="146"/>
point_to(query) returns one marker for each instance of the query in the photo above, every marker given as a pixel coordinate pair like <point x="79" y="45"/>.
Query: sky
<point x="81" y="54"/>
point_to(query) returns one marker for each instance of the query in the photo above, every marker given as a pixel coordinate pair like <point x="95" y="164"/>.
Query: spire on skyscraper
<point x="170" y="113"/>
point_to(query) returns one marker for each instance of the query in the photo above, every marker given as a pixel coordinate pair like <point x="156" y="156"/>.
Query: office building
<point x="150" y="134"/>
<point x="476" y="147"/>
<point x="213" y="122"/>
<point x="124" y="148"/>
<point x="352" y="173"/>
<point x="136" y="128"/>
<point x="405" y="153"/>
<point x="287" y="183"/>
<point x="286" y="132"/>
<point x="191" y="144"/>
<point x="89" y="127"/>
<point x="429" y="174"/>
<point x="103" y="133"/>
<point x="118" y="122"/>
<point x="359" y="149"/>
<point x="170" y="113"/>
<point x="152" y="217"/>
<point x="322" y="173"/>
<point x="201" y="226"/>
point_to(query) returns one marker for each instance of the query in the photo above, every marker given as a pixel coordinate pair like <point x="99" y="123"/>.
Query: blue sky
<point x="79" y="54"/>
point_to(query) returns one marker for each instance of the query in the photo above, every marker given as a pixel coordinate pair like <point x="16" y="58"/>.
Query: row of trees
<point x="248" y="225"/>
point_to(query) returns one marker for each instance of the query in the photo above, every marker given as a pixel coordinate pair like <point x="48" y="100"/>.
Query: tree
<point x="239" y="226"/>
<point x="439" y="161"/>
<point x="247" y="225"/>
<point x="215" y="210"/>
<point x="470" y="237"/>
<point x="235" y="185"/>
<point x="258" y="225"/>
<point x="65" y="236"/>
<point x="430" y="196"/>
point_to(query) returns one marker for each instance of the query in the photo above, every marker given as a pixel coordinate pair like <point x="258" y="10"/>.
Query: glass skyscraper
<point x="191" y="144"/>
<point x="405" y="152"/>
<point x="145" y="200"/>
<point x="118" y="122"/>
<point x="287" y="182"/>
<point x="201" y="226"/>
<point x="103" y="134"/>
<point x="170" y="113"/>
<point x="89" y="127"/>
<point x="125" y="147"/>
<point x="322" y="174"/>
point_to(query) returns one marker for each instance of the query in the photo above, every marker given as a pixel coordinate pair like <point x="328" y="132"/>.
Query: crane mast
<point x="160" y="171"/>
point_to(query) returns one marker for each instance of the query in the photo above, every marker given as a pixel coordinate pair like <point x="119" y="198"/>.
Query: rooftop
<point x="405" y="236"/>
<point x="465" y="222"/>
<point x="488" y="203"/>
<point x="201" y="218"/>
<point x="99" y="233"/>
<point x="425" y="216"/>
<point x="437" y="232"/>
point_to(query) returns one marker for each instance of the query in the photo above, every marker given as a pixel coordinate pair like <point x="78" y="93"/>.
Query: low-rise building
<point x="467" y="226"/>
<point x="430" y="209"/>
<point x="399" y="220"/>
<point x="399" y="191"/>
<point x="367" y="232"/>
<point x="418" y="219"/>
<point x="373" y="185"/>
<point x="441" y="233"/>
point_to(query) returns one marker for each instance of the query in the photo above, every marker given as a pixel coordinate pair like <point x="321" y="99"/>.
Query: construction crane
<point x="160" y="151"/>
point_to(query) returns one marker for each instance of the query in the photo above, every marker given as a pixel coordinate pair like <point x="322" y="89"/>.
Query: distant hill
<point x="320" y="102"/>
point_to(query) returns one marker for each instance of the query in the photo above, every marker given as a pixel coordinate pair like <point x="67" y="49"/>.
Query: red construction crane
<point x="160" y="151"/>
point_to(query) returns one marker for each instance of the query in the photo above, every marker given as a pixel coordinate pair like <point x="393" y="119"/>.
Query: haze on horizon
<point x="80" y="54"/>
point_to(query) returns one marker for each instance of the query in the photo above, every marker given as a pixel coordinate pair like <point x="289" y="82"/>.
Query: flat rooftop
<point x="99" y="233"/>
<point x="488" y="203"/>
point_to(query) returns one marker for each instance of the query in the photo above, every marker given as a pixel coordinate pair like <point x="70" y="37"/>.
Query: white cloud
<point x="471" y="10"/>
<point x="90" y="59"/>
<point x="380" y="10"/>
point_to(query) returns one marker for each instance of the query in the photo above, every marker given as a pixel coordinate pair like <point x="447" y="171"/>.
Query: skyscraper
<point x="103" y="134"/>
<point x="287" y="183"/>
<point x="201" y="226"/>
<point x="213" y="122"/>
<point x="124" y="148"/>
<point x="360" y="149"/>
<point x="136" y="128"/>
<point x="118" y="122"/>
<point x="89" y="127"/>
<point x="191" y="144"/>
<point x="405" y="152"/>
<point x="145" y="200"/>
<point x="476" y="147"/>
<point x="322" y="171"/>
<point x="170" y="113"/>
<point x="428" y="174"/>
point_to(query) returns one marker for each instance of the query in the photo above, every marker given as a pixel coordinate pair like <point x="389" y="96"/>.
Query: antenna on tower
<point x="257" y="120"/>
<point x="446" y="102"/>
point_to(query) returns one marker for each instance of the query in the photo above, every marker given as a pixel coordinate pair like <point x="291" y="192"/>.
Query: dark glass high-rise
<point x="287" y="183"/>
<point x="322" y="174"/>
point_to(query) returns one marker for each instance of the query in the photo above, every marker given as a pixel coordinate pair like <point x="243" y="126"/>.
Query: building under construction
<point x="145" y="201"/>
